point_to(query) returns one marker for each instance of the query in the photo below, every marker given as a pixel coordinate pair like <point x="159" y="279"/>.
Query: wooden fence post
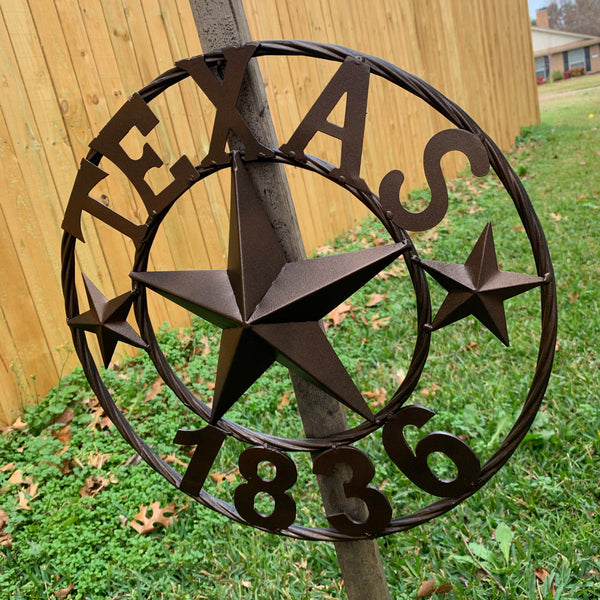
<point x="222" y="23"/>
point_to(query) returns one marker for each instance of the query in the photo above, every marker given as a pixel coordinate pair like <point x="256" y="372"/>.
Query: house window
<point x="542" y="67"/>
<point x="576" y="58"/>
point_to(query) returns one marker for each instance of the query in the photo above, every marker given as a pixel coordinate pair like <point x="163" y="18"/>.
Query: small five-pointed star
<point x="478" y="287"/>
<point x="108" y="320"/>
<point x="268" y="308"/>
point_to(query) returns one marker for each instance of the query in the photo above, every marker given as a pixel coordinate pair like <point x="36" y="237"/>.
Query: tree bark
<point x="220" y="24"/>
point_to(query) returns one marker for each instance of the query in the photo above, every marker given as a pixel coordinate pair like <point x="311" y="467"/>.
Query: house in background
<point x="560" y="50"/>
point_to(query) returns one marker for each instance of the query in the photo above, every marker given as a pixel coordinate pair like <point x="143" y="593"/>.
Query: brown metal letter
<point x="352" y="79"/>
<point x="136" y="113"/>
<point x="88" y="176"/>
<point x="224" y="95"/>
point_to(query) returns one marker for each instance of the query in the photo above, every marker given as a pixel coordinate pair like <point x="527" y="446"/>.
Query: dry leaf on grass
<point x="63" y="435"/>
<point x="18" y="424"/>
<point x="285" y="400"/>
<point x="337" y="315"/>
<point x="428" y="588"/>
<point x="97" y="459"/>
<point x="145" y="523"/>
<point x="154" y="390"/>
<point x="541" y="574"/>
<point x="378" y="323"/>
<point x="95" y="484"/>
<point x="378" y="397"/>
<point x="64" y="592"/>
<point x="5" y="537"/>
<point x="229" y="476"/>
<point x="65" y="417"/>
<point x="172" y="459"/>
<point x="375" y="299"/>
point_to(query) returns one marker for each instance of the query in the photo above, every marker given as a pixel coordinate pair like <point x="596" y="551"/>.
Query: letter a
<point x="352" y="78"/>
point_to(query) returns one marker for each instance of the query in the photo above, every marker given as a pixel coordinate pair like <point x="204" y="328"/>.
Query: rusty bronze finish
<point x="414" y="464"/>
<point x="108" y="320"/>
<point x="478" y="287"/>
<point x="208" y="442"/>
<point x="269" y="309"/>
<point x="271" y="304"/>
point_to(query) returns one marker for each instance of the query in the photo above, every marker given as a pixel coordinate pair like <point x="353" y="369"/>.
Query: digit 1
<point x="208" y="441"/>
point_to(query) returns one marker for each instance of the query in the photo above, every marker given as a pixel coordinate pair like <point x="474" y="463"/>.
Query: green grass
<point x="539" y="513"/>
<point x="569" y="85"/>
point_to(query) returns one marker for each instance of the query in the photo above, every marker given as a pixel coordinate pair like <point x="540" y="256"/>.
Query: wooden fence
<point x="68" y="65"/>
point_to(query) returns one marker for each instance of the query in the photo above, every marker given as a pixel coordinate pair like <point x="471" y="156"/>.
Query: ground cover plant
<point x="81" y="517"/>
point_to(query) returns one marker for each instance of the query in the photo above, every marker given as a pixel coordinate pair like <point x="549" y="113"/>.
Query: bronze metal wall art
<point x="269" y="309"/>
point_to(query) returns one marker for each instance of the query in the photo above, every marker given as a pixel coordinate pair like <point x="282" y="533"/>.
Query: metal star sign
<point x="269" y="309"/>
<point x="478" y="287"/>
<point x="108" y="320"/>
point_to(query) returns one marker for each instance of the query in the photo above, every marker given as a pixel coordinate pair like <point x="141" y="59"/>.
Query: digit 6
<point x="414" y="465"/>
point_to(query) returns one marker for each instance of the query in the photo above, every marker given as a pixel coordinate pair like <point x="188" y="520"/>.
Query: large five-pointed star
<point x="269" y="309"/>
<point x="108" y="320"/>
<point x="478" y="287"/>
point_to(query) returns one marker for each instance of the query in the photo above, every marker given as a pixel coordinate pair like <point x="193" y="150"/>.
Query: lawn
<point x="569" y="85"/>
<point x="75" y="510"/>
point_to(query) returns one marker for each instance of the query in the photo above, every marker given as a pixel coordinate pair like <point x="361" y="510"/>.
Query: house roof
<point x="550" y="41"/>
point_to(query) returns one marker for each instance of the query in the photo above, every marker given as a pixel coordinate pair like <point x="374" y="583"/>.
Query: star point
<point x="270" y="309"/>
<point x="478" y="287"/>
<point x="108" y="320"/>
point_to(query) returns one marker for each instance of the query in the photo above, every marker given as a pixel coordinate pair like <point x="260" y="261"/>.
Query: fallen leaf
<point x="154" y="389"/>
<point x="378" y="323"/>
<point x="247" y="584"/>
<point x="100" y="420"/>
<point x="16" y="477"/>
<point x="5" y="537"/>
<point x="426" y="392"/>
<point x="556" y="217"/>
<point x="338" y="314"/>
<point x="396" y="270"/>
<point x="18" y="424"/>
<point x="210" y="385"/>
<point x="145" y="523"/>
<point x="519" y="227"/>
<point x="204" y="349"/>
<point x="375" y="299"/>
<point x="95" y="484"/>
<point x="7" y="467"/>
<point x="428" y="588"/>
<point x="64" y="592"/>
<point x="322" y="250"/>
<point x="376" y="240"/>
<point x="63" y="435"/>
<point x="378" y="395"/>
<point x="229" y="476"/>
<point x="65" y="417"/>
<point x="171" y="458"/>
<point x="573" y="297"/>
<point x="285" y="400"/>
<point x="541" y="575"/>
<point x="23" y="501"/>
<point x="97" y="459"/>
